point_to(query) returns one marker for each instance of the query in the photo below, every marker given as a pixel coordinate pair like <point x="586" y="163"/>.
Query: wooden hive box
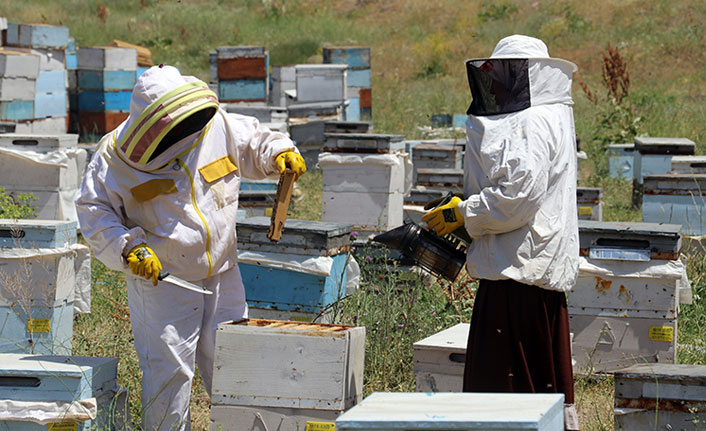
<point x="37" y="35"/>
<point x="320" y="82"/>
<point x="106" y="80"/>
<point x="660" y="396"/>
<point x="52" y="171"/>
<point x="265" y="114"/>
<point x="17" y="64"/>
<point x="107" y="58"/>
<point x="37" y="233"/>
<point x="653" y="156"/>
<point x="450" y="411"/>
<point x="291" y="365"/>
<point x="439" y="360"/>
<point x="624" y="306"/>
<point x="17" y="89"/>
<point x="46" y="380"/>
<point x="356" y="57"/>
<point x="688" y="165"/>
<point x="308" y="263"/>
<point x="589" y="203"/>
<point x="440" y="178"/>
<point x="37" y="290"/>
<point x="363" y="143"/>
<point x="38" y="142"/>
<point x="303" y="112"/>
<point x="676" y="199"/>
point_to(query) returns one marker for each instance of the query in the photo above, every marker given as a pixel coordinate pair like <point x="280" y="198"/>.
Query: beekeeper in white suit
<point x="520" y="211"/>
<point x="162" y="192"/>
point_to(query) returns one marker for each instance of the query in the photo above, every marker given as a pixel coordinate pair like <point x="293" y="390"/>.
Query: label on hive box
<point x="320" y="426"/>
<point x="661" y="333"/>
<point x="585" y="211"/>
<point x="63" y="426"/>
<point x="38" y="325"/>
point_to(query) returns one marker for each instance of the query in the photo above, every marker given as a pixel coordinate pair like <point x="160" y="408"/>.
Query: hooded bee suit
<point x="520" y="210"/>
<point x="169" y="177"/>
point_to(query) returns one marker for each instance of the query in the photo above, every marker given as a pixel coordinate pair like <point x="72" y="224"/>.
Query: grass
<point x="418" y="49"/>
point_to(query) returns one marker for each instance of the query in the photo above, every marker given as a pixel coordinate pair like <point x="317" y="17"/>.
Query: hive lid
<point x="662" y="371"/>
<point x="662" y="241"/>
<point x="649" y="145"/>
<point x="298" y="237"/>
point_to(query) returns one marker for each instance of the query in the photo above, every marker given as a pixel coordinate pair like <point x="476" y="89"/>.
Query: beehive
<point x="320" y="82"/>
<point x="439" y="360"/>
<point x="653" y="156"/>
<point x="660" y="396"/>
<point x="625" y="304"/>
<point x="288" y="372"/>
<point x="449" y="411"/>
<point x="676" y="199"/>
<point x="589" y="203"/>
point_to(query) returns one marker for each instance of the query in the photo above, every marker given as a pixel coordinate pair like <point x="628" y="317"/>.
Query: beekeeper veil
<point x="166" y="108"/>
<point x="518" y="74"/>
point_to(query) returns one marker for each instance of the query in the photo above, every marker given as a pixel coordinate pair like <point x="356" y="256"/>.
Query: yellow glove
<point x="291" y="160"/>
<point x="143" y="262"/>
<point x="444" y="219"/>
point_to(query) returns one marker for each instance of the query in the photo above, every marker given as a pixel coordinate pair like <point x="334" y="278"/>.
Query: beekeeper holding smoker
<point x="161" y="194"/>
<point x="520" y="211"/>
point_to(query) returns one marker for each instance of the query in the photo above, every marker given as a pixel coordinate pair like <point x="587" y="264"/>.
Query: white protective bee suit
<point x="520" y="174"/>
<point x="182" y="201"/>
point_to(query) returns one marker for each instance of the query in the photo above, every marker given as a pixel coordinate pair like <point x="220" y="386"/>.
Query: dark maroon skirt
<point x="519" y="341"/>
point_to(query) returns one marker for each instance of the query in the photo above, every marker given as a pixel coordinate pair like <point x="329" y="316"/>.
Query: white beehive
<point x="51" y="171"/>
<point x="107" y="58"/>
<point x="660" y="397"/>
<point x="624" y="306"/>
<point x="439" y="360"/>
<point x="265" y="363"/>
<point x="448" y="411"/>
<point x="16" y="64"/>
<point x="320" y="82"/>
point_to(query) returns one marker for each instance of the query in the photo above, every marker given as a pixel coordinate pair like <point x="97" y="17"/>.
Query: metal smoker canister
<point x="439" y="256"/>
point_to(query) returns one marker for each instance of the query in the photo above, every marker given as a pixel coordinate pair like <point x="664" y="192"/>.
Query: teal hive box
<point x="305" y="271"/>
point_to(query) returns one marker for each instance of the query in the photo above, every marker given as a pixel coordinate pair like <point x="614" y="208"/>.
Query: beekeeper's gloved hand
<point x="143" y="262"/>
<point x="291" y="160"/>
<point x="445" y="218"/>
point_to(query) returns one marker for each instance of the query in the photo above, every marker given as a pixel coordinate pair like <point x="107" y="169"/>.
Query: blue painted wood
<point x="50" y="105"/>
<point x="71" y="46"/>
<point x="620" y="160"/>
<point x="71" y="61"/>
<point x="280" y="289"/>
<point x="73" y="102"/>
<point x="101" y="101"/>
<point x="242" y="89"/>
<point x="366" y="114"/>
<point x="51" y="81"/>
<point x="359" y="78"/>
<point x="459" y="120"/>
<point x="355" y="57"/>
<point x="106" y="80"/>
<point x="37" y="36"/>
<point x="37" y="233"/>
<point x="688" y="211"/>
<point x="353" y="109"/>
<point x="17" y="110"/>
<point x="258" y="185"/>
<point x="15" y="338"/>
<point x="651" y="164"/>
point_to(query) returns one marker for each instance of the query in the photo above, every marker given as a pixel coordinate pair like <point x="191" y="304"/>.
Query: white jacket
<point x="182" y="203"/>
<point x="520" y="180"/>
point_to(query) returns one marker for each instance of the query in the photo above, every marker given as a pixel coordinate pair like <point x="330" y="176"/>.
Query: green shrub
<point x="16" y="206"/>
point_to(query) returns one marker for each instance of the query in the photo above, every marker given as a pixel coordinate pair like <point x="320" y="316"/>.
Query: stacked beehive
<point x="105" y="79"/>
<point x="365" y="178"/>
<point x="439" y="360"/>
<point x="43" y="108"/>
<point x="243" y="73"/>
<point x="625" y="304"/>
<point x="653" y="156"/>
<point x="589" y="202"/>
<point x="437" y="171"/>
<point x="310" y="136"/>
<point x="285" y="375"/>
<point x="48" y="166"/>
<point x="56" y="393"/>
<point x="359" y="82"/>
<point x="284" y="85"/>
<point x="40" y="262"/>
<point x="308" y="265"/>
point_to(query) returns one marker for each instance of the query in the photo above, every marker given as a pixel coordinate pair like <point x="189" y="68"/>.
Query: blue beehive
<point x="242" y="89"/>
<point x="620" y="160"/>
<point x="37" y="233"/>
<point x="15" y="110"/>
<point x="50" y="380"/>
<point x="102" y="101"/>
<point x="37" y="36"/>
<point x="305" y="271"/>
<point x="106" y="79"/>
<point x="358" y="80"/>
<point x="676" y="199"/>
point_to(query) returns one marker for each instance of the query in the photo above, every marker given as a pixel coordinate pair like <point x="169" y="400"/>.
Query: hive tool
<point x="165" y="276"/>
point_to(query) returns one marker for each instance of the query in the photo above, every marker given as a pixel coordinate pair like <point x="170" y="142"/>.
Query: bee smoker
<point x="441" y="256"/>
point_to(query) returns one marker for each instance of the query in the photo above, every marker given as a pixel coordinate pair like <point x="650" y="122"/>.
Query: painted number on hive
<point x="38" y="325"/>
<point x="661" y="333"/>
<point x="63" y="426"/>
<point x="320" y="426"/>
